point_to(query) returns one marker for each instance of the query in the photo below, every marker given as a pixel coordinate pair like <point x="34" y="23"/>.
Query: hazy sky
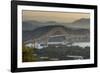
<point x="44" y="16"/>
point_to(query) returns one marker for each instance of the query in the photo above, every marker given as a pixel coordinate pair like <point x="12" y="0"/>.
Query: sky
<point x="44" y="16"/>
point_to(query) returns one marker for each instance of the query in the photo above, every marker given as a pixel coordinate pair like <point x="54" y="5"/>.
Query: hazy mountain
<point x="31" y="25"/>
<point x="27" y="34"/>
<point x="81" y="23"/>
<point x="38" y="32"/>
<point x="36" y="28"/>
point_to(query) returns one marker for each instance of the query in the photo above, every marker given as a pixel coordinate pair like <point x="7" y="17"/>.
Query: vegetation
<point x="62" y="52"/>
<point x="28" y="54"/>
<point x="49" y="53"/>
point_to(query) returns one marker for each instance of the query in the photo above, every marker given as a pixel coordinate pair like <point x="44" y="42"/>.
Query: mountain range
<point x="31" y="25"/>
<point x="40" y="31"/>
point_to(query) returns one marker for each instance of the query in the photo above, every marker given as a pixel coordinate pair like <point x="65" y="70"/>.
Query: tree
<point x="27" y="54"/>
